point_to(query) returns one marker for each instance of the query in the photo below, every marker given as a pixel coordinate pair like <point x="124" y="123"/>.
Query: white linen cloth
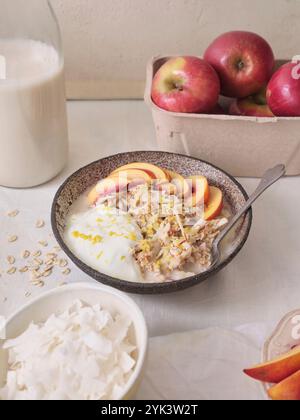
<point x="202" y="365"/>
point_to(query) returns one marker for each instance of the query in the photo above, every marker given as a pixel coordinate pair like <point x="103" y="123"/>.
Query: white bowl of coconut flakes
<point x="78" y="342"/>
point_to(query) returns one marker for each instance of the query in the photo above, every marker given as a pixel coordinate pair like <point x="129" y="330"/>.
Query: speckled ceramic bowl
<point x="88" y="176"/>
<point x="285" y="338"/>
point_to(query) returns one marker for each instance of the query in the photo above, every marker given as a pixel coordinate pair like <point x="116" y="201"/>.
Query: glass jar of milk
<point x="33" y="120"/>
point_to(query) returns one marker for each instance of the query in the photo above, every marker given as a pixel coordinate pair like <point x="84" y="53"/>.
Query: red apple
<point x="283" y="91"/>
<point x="244" y="62"/>
<point x="186" y="84"/>
<point x="253" y="106"/>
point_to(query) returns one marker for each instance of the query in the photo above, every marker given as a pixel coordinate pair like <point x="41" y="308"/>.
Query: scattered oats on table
<point x="13" y="213"/>
<point x="63" y="263"/>
<point x="51" y="255"/>
<point x="25" y="254"/>
<point x="38" y="283"/>
<point x="40" y="224"/>
<point x="11" y="271"/>
<point x="47" y="272"/>
<point x="40" y="265"/>
<point x="38" y="261"/>
<point x="43" y="243"/>
<point x="12" y="238"/>
<point x="34" y="268"/>
<point x="37" y="254"/>
<point x="10" y="259"/>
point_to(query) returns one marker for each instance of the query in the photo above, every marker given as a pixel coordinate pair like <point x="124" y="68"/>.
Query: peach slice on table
<point x="215" y="205"/>
<point x="278" y="369"/>
<point x="287" y="390"/>
<point x="199" y="187"/>
<point x="179" y="181"/>
<point x="152" y="170"/>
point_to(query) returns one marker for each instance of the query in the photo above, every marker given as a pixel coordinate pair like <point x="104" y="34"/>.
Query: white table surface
<point x="260" y="286"/>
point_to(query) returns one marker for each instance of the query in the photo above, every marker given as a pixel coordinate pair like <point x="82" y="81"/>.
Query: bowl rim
<point x="143" y="333"/>
<point x="145" y="288"/>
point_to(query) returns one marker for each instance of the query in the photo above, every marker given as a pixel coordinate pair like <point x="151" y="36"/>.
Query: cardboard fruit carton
<point x="242" y="146"/>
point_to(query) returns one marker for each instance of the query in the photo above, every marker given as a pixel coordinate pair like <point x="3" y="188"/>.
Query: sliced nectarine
<point x="179" y="181"/>
<point x="167" y="187"/>
<point x="93" y="196"/>
<point x="215" y="204"/>
<point x="152" y="170"/>
<point x="278" y="369"/>
<point x="287" y="390"/>
<point x="118" y="182"/>
<point x="200" y="190"/>
<point x="132" y="174"/>
<point x="105" y="187"/>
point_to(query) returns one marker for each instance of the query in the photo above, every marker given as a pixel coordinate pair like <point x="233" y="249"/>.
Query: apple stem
<point x="240" y="65"/>
<point x="179" y="87"/>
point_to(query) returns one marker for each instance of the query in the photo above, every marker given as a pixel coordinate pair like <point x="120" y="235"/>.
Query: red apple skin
<point x="186" y="84"/>
<point x="253" y="106"/>
<point x="244" y="62"/>
<point x="283" y="91"/>
<point x="247" y="108"/>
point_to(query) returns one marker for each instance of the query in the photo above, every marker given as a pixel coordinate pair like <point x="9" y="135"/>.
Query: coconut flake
<point x="85" y="353"/>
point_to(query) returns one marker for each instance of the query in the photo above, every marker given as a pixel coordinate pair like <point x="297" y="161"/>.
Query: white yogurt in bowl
<point x="103" y="239"/>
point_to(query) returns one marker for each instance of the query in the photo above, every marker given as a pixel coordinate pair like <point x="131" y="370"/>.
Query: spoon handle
<point x="268" y="179"/>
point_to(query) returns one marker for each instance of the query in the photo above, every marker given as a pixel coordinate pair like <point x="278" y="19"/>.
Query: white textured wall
<point x="108" y="42"/>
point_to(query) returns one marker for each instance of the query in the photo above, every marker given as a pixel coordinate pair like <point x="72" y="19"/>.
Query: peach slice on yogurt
<point x="167" y="187"/>
<point x="182" y="186"/>
<point x="153" y="171"/>
<point x="132" y="175"/>
<point x="118" y="182"/>
<point x="105" y="187"/>
<point x="200" y="191"/>
<point x="215" y="205"/>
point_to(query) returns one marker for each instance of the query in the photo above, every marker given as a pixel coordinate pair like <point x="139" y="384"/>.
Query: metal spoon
<point x="268" y="179"/>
